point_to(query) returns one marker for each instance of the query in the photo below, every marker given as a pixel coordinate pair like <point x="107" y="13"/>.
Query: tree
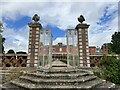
<point x="110" y="67"/>
<point x="107" y="46"/>
<point x="115" y="43"/>
<point x="11" y="52"/>
<point x="10" y="58"/>
<point x="3" y="40"/>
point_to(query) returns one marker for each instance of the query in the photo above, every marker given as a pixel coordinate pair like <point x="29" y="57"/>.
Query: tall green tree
<point x="3" y="40"/>
<point x="107" y="46"/>
<point x="115" y="43"/>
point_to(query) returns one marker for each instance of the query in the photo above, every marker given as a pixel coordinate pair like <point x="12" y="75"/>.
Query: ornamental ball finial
<point x="36" y="18"/>
<point x="81" y="19"/>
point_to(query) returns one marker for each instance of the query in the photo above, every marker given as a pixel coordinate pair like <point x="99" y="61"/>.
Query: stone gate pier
<point x="83" y="49"/>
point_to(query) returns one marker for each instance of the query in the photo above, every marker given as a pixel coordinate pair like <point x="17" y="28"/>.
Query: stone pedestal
<point x="34" y="42"/>
<point x="83" y="49"/>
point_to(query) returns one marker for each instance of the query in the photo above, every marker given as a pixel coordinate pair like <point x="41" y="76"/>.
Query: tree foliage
<point x="11" y="51"/>
<point x="107" y="46"/>
<point x="3" y="40"/>
<point x="115" y="42"/>
<point x="111" y="69"/>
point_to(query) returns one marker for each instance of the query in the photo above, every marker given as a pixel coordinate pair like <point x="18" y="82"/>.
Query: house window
<point x="37" y="28"/>
<point x="60" y="49"/>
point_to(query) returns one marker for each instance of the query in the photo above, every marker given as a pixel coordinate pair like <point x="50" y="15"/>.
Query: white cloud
<point x="16" y="40"/>
<point x="60" y="39"/>
<point x="58" y="1"/>
<point x="105" y="36"/>
<point x="60" y="14"/>
<point x="100" y="38"/>
<point x="63" y="15"/>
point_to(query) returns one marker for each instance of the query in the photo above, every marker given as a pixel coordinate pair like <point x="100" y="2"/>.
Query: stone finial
<point x="81" y="19"/>
<point x="36" y="18"/>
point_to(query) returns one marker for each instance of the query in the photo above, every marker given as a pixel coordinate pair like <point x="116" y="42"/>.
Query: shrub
<point x="110" y="69"/>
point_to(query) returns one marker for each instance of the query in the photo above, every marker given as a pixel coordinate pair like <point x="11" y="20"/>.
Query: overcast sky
<point x="57" y="16"/>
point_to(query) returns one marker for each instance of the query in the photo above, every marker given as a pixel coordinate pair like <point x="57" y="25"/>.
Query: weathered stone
<point x="59" y="78"/>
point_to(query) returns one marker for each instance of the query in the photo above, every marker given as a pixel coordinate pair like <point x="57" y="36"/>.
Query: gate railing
<point x="13" y="60"/>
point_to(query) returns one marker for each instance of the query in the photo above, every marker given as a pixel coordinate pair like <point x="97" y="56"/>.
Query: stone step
<point x="10" y="86"/>
<point x="62" y="71"/>
<point x="92" y="83"/>
<point x="62" y="79"/>
<point x="86" y="85"/>
<point x="64" y="65"/>
<point x="100" y="86"/>
<point x="56" y="81"/>
<point x="58" y="75"/>
<point x="107" y="85"/>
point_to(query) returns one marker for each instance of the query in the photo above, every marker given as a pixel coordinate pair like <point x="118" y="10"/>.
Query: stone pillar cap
<point x="82" y="26"/>
<point x="35" y="18"/>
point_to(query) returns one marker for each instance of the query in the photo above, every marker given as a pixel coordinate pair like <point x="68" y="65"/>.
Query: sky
<point x="58" y="17"/>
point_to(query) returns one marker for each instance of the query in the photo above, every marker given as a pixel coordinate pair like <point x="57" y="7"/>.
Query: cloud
<point x="16" y="40"/>
<point x="58" y="1"/>
<point x="59" y="39"/>
<point x="109" y="14"/>
<point x="62" y="15"/>
<point x="65" y="14"/>
<point x="99" y="37"/>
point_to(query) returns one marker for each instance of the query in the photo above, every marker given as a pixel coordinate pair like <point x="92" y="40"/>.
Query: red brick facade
<point x="92" y="50"/>
<point x="62" y="49"/>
